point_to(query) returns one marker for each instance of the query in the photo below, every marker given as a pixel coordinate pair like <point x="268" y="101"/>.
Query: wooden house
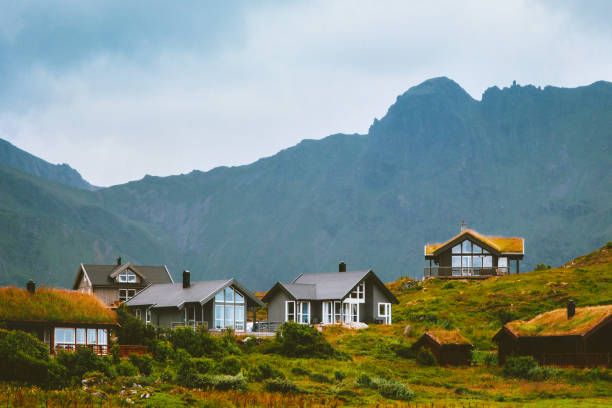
<point x="331" y="298"/>
<point x="115" y="284"/>
<point x="216" y="305"/>
<point x="62" y="319"/>
<point x="473" y="255"/>
<point x="572" y="336"/>
<point x="448" y="346"/>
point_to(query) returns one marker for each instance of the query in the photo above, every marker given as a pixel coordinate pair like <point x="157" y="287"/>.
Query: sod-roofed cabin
<point x="448" y="346"/>
<point x="62" y="319"/>
<point x="471" y="255"/>
<point x="118" y="283"/>
<point x="571" y="336"/>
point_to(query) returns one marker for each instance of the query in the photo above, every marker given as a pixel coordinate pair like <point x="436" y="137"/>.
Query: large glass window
<point x="468" y="259"/>
<point x="303" y="312"/>
<point x="80" y="336"/>
<point x="63" y="335"/>
<point x="289" y="311"/>
<point x="359" y="292"/>
<point x="229" y="309"/>
<point x="102" y="339"/>
<point x="351" y="312"/>
<point x="456" y="265"/>
<point x="338" y="312"/>
<point x="127" y="276"/>
<point x="91" y="336"/>
<point x="126" y="294"/>
<point x="457" y="249"/>
<point x="328" y="312"/>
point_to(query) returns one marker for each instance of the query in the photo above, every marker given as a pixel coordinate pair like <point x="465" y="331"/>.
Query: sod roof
<point x="501" y="244"/>
<point x="53" y="305"/>
<point x="448" y="337"/>
<point x="556" y="323"/>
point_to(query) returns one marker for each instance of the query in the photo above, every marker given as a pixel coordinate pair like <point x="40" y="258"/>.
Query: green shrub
<point x="24" y="358"/>
<point x="542" y="373"/>
<point x="402" y="350"/>
<point x="339" y="376"/>
<point x="132" y="330"/>
<point x="143" y="362"/>
<point x="230" y="365"/>
<point x="542" y="267"/>
<point x="199" y="342"/>
<point x="162" y="351"/>
<point x="79" y="362"/>
<point x="425" y="357"/>
<point x="483" y="358"/>
<point x="204" y="365"/>
<point x="127" y="369"/>
<point x="281" y="385"/>
<point x="301" y="340"/>
<point x="592" y="375"/>
<point x="364" y="380"/>
<point x="504" y="316"/>
<point x="320" y="378"/>
<point x="300" y="371"/>
<point x="519" y="367"/>
<point x="448" y="285"/>
<point x="229" y="382"/>
<point x="168" y="375"/>
<point x="264" y="371"/>
<point x="394" y="390"/>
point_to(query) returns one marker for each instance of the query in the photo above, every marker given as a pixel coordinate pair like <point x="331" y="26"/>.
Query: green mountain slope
<point x="48" y="229"/>
<point x="12" y="156"/>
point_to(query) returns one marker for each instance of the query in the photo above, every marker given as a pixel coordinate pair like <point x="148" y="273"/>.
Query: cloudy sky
<point x="120" y="89"/>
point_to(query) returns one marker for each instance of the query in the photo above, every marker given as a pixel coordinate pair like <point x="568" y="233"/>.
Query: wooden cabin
<point x="471" y="255"/>
<point x="62" y="319"/>
<point x="580" y="337"/>
<point x="448" y="346"/>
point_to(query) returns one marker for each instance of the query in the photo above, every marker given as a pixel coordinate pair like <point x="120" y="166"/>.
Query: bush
<point x="229" y="382"/>
<point x="301" y="340"/>
<point x="281" y="385"/>
<point x="448" y="285"/>
<point x="132" y="330"/>
<point x="402" y="350"/>
<point x="425" y="357"/>
<point x="519" y="367"/>
<point x="264" y="371"/>
<point x="143" y="362"/>
<point x="168" y="375"/>
<point x="320" y="378"/>
<point x="204" y="365"/>
<point x="504" y="316"/>
<point x="199" y="342"/>
<point x="364" y="380"/>
<point x="25" y="359"/>
<point x="394" y="390"/>
<point x="542" y="267"/>
<point x="299" y="371"/>
<point x="230" y="366"/>
<point x="162" y="351"/>
<point x="127" y="369"/>
<point x="542" y="373"/>
<point x="483" y="358"/>
<point x="339" y="376"/>
<point x="79" y="362"/>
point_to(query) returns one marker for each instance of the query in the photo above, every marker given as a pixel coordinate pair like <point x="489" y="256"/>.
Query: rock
<point x="407" y="330"/>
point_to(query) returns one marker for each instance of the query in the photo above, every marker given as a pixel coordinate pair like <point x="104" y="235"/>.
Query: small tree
<point x="301" y="340"/>
<point x="133" y="330"/>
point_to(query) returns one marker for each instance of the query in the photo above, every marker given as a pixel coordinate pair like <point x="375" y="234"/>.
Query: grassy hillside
<point x="478" y="308"/>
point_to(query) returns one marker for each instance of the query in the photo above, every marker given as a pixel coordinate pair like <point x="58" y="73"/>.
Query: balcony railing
<point x="194" y="324"/>
<point x="266" y="326"/>
<point x="450" y="271"/>
<point x="102" y="349"/>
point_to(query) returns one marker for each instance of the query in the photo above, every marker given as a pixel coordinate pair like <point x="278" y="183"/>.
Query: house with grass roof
<point x="571" y="336"/>
<point x="448" y="346"/>
<point x="472" y="255"/>
<point x="115" y="284"/>
<point x="62" y="319"/>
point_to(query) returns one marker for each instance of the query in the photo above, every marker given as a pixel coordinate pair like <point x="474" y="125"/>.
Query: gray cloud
<point x="160" y="90"/>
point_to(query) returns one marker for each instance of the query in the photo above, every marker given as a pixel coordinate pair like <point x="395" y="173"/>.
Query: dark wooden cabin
<point x="579" y="337"/>
<point x="471" y="255"/>
<point x="448" y="346"/>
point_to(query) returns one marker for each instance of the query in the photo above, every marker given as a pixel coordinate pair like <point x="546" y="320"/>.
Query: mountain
<point x="523" y="161"/>
<point x="12" y="156"/>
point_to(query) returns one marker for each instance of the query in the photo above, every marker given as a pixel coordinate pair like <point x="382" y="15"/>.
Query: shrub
<point x="364" y="380"/>
<point x="339" y="376"/>
<point x="127" y="369"/>
<point x="168" y="375"/>
<point x="483" y="358"/>
<point x="299" y="371"/>
<point x="402" y="350"/>
<point x="542" y="373"/>
<point x="519" y="367"/>
<point x="301" y="340"/>
<point x="204" y="365"/>
<point x="25" y="359"/>
<point x="132" y="330"/>
<point x="229" y="382"/>
<point x="504" y="316"/>
<point x="143" y="362"/>
<point x="542" y="267"/>
<point x="394" y="390"/>
<point x="79" y="362"/>
<point x="162" y="351"/>
<point x="230" y="365"/>
<point x="425" y="357"/>
<point x="264" y="371"/>
<point x="448" y="285"/>
<point x="281" y="385"/>
<point x="199" y="342"/>
<point x="321" y="378"/>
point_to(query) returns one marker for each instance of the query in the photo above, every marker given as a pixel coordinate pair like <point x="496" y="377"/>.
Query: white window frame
<point x="300" y="312"/>
<point x="126" y="294"/>
<point x="138" y="314"/>
<point x="148" y="316"/>
<point x="337" y="316"/>
<point x="387" y="309"/>
<point x="359" y="292"/>
<point x="287" y="319"/>
<point x="328" y="312"/>
<point x="350" y="306"/>
<point x="127" y="276"/>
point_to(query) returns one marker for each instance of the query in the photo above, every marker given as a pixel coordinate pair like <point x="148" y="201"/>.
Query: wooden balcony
<point x="102" y="349"/>
<point x="449" y="272"/>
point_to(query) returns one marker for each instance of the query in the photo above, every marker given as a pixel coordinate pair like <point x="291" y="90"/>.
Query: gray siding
<point x="377" y="297"/>
<point x="276" y="307"/>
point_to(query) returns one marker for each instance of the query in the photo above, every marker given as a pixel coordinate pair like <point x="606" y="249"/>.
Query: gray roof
<point x="99" y="275"/>
<point x="331" y="285"/>
<point x="173" y="294"/>
<point x="300" y="290"/>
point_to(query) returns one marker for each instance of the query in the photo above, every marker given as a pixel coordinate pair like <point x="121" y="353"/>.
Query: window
<point x="80" y="336"/>
<point x="190" y="313"/>
<point x="303" y="312"/>
<point x="127" y="276"/>
<point x="337" y="312"/>
<point x="328" y="312"/>
<point x="64" y="336"/>
<point x="229" y="309"/>
<point x="502" y="263"/>
<point x="91" y="336"/>
<point x="384" y="311"/>
<point x="456" y="265"/>
<point x="126" y="294"/>
<point x="457" y="249"/>
<point x="102" y="337"/>
<point x="351" y="312"/>
<point x="138" y="314"/>
<point x="359" y="292"/>
<point x="468" y="259"/>
<point x="290" y="311"/>
<point x="148" y="316"/>
<point x="466" y="247"/>
<point x="487" y="261"/>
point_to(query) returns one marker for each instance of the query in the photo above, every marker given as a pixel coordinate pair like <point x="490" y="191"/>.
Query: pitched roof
<point x="173" y="294"/>
<point x="500" y="244"/>
<point x="53" y="305"/>
<point x="326" y="286"/>
<point x="448" y="337"/>
<point x="100" y="275"/>
<point x="556" y="323"/>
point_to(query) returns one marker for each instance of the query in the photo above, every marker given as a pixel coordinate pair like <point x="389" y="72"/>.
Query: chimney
<point x="186" y="279"/>
<point x="571" y="309"/>
<point x="341" y="267"/>
<point x="119" y="261"/>
<point x="31" y="286"/>
<point x="463" y="226"/>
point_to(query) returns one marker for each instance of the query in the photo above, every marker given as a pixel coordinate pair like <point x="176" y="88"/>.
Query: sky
<point x="121" y="89"/>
